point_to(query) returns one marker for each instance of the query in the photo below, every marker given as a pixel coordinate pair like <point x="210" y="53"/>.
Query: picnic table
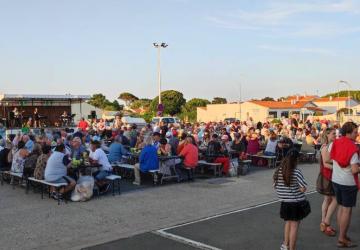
<point x="270" y="159"/>
<point x="85" y="169"/>
<point x="167" y="167"/>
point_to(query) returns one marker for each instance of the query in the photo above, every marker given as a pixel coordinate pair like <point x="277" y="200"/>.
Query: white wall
<point x="85" y="111"/>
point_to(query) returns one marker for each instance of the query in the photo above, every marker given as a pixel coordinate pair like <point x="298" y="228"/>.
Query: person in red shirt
<point x="190" y="154"/>
<point x="324" y="184"/>
<point x="83" y="125"/>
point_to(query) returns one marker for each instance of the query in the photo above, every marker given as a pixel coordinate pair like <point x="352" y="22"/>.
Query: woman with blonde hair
<point x="324" y="185"/>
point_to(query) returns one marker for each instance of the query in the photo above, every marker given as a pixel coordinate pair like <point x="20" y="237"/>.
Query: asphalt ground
<point x="254" y="228"/>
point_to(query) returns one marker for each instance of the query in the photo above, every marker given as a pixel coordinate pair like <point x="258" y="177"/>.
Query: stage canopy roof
<point x="9" y="97"/>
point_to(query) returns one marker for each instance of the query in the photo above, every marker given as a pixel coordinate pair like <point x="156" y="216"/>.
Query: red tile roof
<point x="301" y="98"/>
<point x="315" y="109"/>
<point x="281" y="105"/>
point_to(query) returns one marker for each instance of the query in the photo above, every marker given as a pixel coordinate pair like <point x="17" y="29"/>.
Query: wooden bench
<point x="216" y="167"/>
<point x="114" y="178"/>
<point x="310" y="156"/>
<point x="271" y="159"/>
<point x="13" y="175"/>
<point x="44" y="183"/>
<point x="127" y="170"/>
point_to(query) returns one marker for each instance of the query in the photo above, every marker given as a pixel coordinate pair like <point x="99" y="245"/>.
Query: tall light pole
<point x="158" y="46"/>
<point x="348" y="85"/>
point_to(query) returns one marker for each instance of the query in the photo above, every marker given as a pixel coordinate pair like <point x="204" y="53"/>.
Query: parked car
<point x="167" y="120"/>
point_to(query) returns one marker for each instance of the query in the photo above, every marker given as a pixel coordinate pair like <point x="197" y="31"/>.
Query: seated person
<point x="116" y="150"/>
<point x="19" y="157"/>
<point x="156" y="139"/>
<point x="41" y="162"/>
<point x="140" y="141"/>
<point x="190" y="153"/>
<point x="148" y="160"/>
<point x="56" y="171"/>
<point x="164" y="148"/>
<point x="98" y="156"/>
<point x="30" y="161"/>
<point x="215" y="153"/>
<point x="76" y="148"/>
<point x="253" y="146"/>
<point x="308" y="143"/>
<point x="226" y="144"/>
<point x="270" y="149"/>
<point x="4" y="152"/>
<point x="237" y="144"/>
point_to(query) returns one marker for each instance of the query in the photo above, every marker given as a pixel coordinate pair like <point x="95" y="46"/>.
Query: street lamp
<point x="348" y="85"/>
<point x="158" y="46"/>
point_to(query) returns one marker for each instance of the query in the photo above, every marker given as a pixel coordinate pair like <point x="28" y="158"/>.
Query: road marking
<point x="199" y="245"/>
<point x="184" y="240"/>
<point x="228" y="213"/>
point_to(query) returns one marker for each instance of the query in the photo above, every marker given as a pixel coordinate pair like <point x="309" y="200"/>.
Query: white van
<point x="139" y="122"/>
<point x="168" y="120"/>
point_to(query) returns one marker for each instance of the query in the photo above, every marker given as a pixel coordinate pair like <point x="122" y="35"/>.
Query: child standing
<point x="290" y="186"/>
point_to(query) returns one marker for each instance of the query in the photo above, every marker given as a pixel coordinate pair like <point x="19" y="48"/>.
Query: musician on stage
<point x="36" y="118"/>
<point x="17" y="117"/>
<point x="64" y="119"/>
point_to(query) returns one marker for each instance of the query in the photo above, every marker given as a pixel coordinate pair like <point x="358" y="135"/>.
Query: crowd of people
<point x="50" y="154"/>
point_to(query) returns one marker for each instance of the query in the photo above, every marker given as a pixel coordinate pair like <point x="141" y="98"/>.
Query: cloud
<point x="318" y="51"/>
<point x="286" y="16"/>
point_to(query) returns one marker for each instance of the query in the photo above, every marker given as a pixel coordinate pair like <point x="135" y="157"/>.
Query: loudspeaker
<point x="93" y="114"/>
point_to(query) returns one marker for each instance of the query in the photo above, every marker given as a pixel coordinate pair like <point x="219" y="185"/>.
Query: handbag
<point x="323" y="185"/>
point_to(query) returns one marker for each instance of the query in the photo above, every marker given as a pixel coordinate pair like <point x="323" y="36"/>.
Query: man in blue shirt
<point x="29" y="144"/>
<point x="148" y="160"/>
<point x="116" y="150"/>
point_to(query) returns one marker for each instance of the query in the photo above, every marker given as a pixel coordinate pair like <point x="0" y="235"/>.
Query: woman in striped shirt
<point x="290" y="187"/>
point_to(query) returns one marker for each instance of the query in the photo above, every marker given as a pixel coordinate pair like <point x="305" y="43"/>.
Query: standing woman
<point x="36" y="118"/>
<point x="290" y="187"/>
<point x="324" y="184"/>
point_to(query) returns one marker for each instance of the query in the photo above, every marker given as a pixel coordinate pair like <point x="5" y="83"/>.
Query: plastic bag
<point x="233" y="167"/>
<point x="84" y="189"/>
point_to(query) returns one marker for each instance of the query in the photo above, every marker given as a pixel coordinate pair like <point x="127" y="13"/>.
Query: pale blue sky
<point x="272" y="48"/>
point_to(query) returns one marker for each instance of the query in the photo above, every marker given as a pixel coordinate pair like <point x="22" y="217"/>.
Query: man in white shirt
<point x="98" y="156"/>
<point x="345" y="158"/>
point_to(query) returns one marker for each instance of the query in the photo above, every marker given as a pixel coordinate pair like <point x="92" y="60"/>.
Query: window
<point x="285" y="114"/>
<point x="273" y="114"/>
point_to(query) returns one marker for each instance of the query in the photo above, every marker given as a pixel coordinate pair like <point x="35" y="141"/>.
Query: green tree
<point x="189" y="110"/>
<point x="355" y="94"/>
<point x="141" y="103"/>
<point x="98" y="101"/>
<point x="172" y="101"/>
<point x="219" y="100"/>
<point x="128" y="98"/>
